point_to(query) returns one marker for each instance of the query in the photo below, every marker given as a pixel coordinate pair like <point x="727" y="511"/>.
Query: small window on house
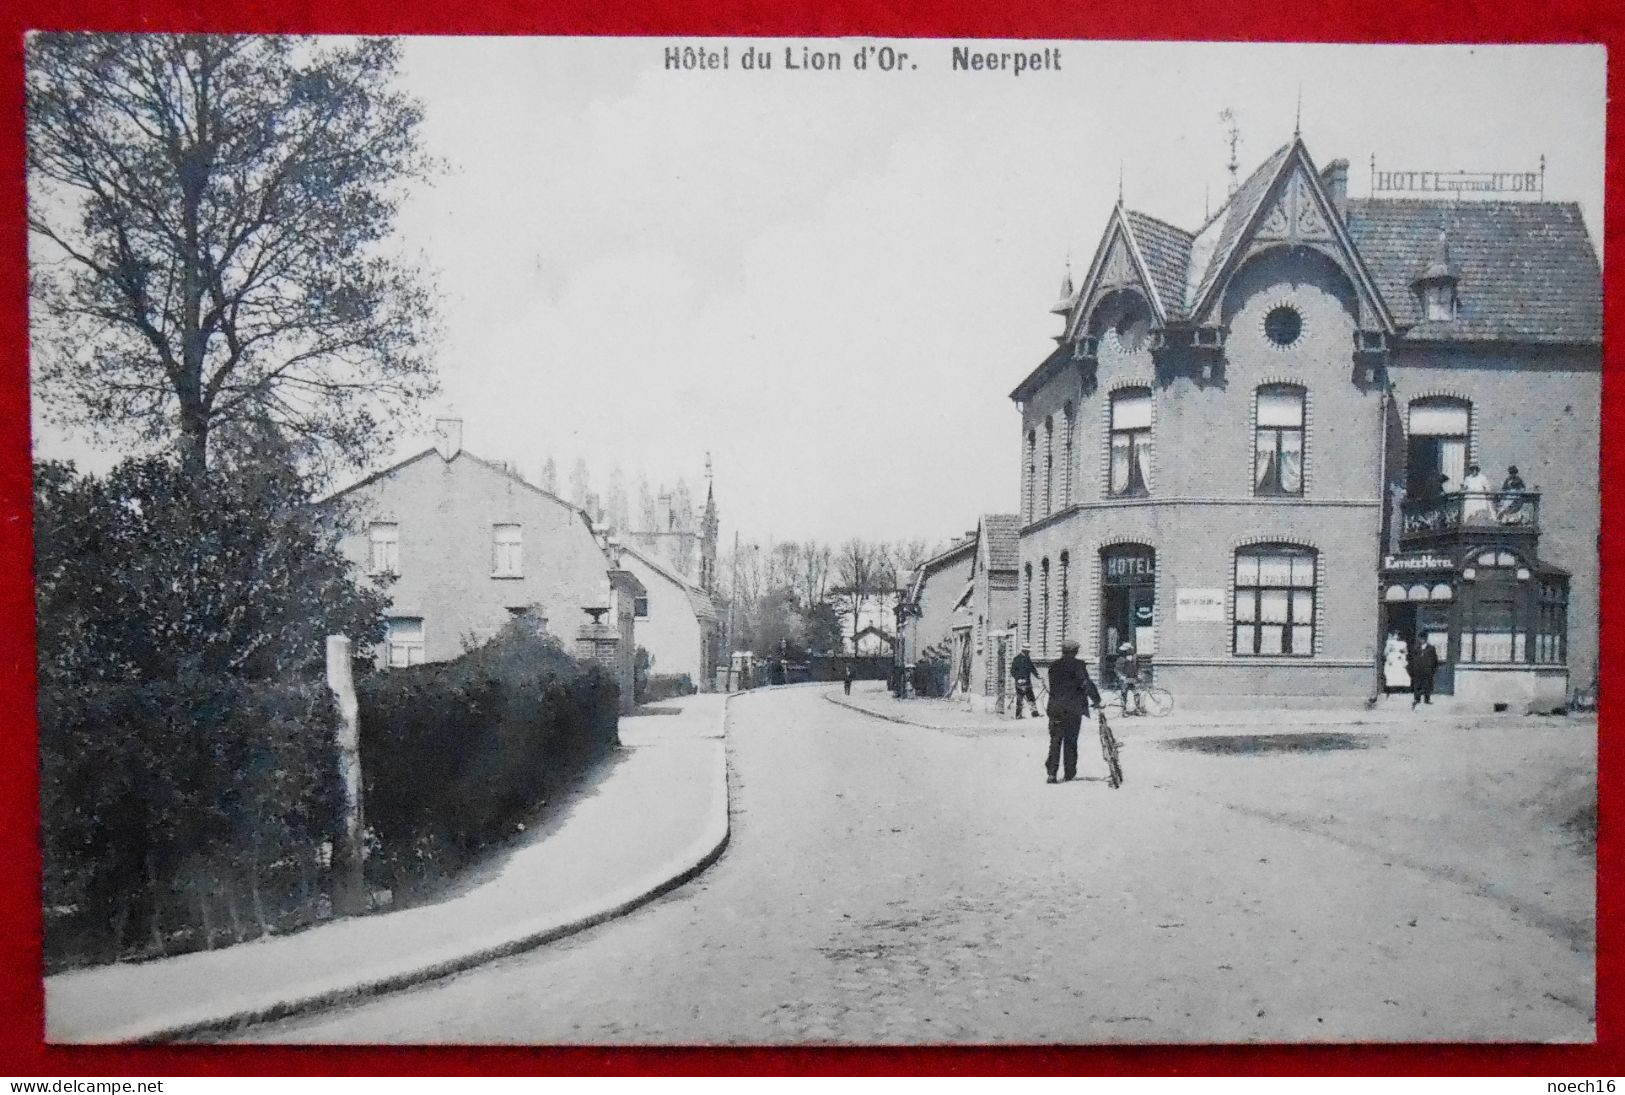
<point x="1439" y="300"/>
<point x="640" y="607"/>
<point x="1278" y="441"/>
<point x="405" y="641"/>
<point x="1131" y="443"/>
<point x="1283" y="325"/>
<point x="384" y="557"/>
<point x="507" y="551"/>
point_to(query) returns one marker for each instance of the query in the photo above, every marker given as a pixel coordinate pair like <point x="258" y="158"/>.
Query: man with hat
<point x="1070" y="693"/>
<point x="1023" y="670"/>
<point x="1127" y="668"/>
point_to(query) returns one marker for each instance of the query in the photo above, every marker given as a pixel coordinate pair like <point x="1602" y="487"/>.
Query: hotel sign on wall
<point x="1199" y="605"/>
<point x="1530" y="184"/>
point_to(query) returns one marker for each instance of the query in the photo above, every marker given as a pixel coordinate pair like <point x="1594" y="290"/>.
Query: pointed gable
<point x="1120" y="263"/>
<point x="1283" y="202"/>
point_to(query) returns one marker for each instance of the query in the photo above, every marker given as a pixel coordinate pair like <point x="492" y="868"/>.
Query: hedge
<point x="456" y="755"/>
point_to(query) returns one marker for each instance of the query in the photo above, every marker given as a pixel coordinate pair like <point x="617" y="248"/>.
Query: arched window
<point x="1049" y="465"/>
<point x="1278" y="440"/>
<point x="1027" y="603"/>
<point x="1030" y="487"/>
<point x="1131" y="443"/>
<point x="1043" y="608"/>
<point x="1439" y="435"/>
<point x="1275" y="600"/>
<point x="1066" y="596"/>
<point x="1069" y="420"/>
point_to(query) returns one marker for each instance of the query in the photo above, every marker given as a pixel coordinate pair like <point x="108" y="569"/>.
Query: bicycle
<point x="1108" y="749"/>
<point x="1149" y="699"/>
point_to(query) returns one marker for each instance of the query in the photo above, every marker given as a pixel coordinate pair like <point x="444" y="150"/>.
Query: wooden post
<point x="350" y="889"/>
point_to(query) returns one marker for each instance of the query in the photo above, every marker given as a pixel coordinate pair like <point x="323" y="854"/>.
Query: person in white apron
<point x="1395" y="677"/>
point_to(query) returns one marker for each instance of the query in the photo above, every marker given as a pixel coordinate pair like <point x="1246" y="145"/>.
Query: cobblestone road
<point x="889" y="884"/>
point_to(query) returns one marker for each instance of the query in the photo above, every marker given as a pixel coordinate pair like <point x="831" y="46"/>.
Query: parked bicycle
<point x="1145" y="699"/>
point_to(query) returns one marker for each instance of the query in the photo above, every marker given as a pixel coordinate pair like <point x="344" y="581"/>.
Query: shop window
<point x="1027" y="604"/>
<point x="1493" y="625"/>
<point x="1275" y="601"/>
<point x="384" y="541"/>
<point x="405" y="641"/>
<point x="1043" y="608"/>
<point x="1066" y="595"/>
<point x="1552" y="627"/>
<point x="1131" y="443"/>
<point x="507" y="551"/>
<point x="1278" y="440"/>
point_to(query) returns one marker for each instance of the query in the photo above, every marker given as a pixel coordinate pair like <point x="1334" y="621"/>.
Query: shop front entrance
<point x="1418" y="599"/>
<point x="1128" y="597"/>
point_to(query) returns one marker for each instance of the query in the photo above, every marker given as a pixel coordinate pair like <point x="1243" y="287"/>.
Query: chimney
<point x="1335" y="177"/>
<point x="448" y="437"/>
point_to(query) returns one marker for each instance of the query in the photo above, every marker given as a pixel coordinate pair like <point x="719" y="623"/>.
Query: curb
<point x="1182" y="728"/>
<point x="706" y="850"/>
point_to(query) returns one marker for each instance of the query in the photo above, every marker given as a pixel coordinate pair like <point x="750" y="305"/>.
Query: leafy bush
<point x="180" y="813"/>
<point x="455" y="754"/>
<point x="663" y="686"/>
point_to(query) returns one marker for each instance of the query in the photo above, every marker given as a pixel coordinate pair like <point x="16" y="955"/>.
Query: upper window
<point x="640" y="607"/>
<point x="405" y="641"/>
<point x="1069" y="420"/>
<point x="1278" y="441"/>
<point x="1275" y="601"/>
<point x="384" y="540"/>
<point x="1131" y="443"/>
<point x="1283" y="325"/>
<point x="1049" y="465"/>
<point x="1031" y="492"/>
<point x="1439" y="301"/>
<point x="507" y="551"/>
<point x="1436" y="450"/>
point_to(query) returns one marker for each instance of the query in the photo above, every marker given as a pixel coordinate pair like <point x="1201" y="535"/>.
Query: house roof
<point x="1167" y="254"/>
<point x="699" y="599"/>
<point x="1526" y="271"/>
<point x="462" y="454"/>
<point x="1002" y="531"/>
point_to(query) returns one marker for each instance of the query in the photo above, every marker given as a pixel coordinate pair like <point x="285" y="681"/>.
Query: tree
<point x="859" y="567"/>
<point x="617" y="510"/>
<point x="153" y="574"/>
<point x="648" y="514"/>
<point x="580" y="485"/>
<point x="814" y="562"/>
<point x="550" y="476"/>
<point x="213" y="214"/>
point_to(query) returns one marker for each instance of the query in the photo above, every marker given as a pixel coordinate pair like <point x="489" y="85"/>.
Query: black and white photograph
<point x="709" y="541"/>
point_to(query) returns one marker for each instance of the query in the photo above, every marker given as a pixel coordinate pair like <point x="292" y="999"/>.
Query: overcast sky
<point x="831" y="281"/>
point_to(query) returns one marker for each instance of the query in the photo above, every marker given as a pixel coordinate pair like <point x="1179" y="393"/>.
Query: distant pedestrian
<point x="848" y="678"/>
<point x="1070" y="692"/>
<point x="1422" y="666"/>
<point x="1023" y="670"/>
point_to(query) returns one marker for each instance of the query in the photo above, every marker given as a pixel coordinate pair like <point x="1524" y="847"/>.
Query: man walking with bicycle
<point x="1070" y="692"/>
<point x="1024" y="672"/>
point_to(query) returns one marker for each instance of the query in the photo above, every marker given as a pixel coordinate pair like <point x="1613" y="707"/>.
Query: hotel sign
<point x="1419" y="561"/>
<point x="1531" y="183"/>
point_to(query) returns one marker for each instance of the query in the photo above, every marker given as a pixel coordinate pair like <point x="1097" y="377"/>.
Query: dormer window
<point x="1436" y="286"/>
<point x="1439" y="301"/>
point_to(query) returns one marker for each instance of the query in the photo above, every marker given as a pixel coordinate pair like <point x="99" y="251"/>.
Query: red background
<point x="22" y="1051"/>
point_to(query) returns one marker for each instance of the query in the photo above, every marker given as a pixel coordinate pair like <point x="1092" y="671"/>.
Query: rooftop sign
<point x="1527" y="184"/>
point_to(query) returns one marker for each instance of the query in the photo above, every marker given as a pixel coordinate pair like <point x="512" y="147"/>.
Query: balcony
<point x="1470" y="517"/>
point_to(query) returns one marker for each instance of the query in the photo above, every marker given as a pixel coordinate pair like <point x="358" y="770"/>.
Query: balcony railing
<point x="1474" y="515"/>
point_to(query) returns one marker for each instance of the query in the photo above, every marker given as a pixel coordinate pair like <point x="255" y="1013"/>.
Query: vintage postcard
<point x="729" y="541"/>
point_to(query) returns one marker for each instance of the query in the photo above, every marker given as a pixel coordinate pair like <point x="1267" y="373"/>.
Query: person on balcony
<point x="1509" y="507"/>
<point x="1477" y="502"/>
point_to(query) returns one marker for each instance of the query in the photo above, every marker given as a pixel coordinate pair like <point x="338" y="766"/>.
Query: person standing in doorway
<point x="1023" y="670"/>
<point x="1423" y="664"/>
<point x="1127" y="668"/>
<point x="1070" y="693"/>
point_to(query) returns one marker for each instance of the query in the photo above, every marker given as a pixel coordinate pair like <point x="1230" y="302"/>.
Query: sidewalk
<point x="656" y="817"/>
<point x="956" y="717"/>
